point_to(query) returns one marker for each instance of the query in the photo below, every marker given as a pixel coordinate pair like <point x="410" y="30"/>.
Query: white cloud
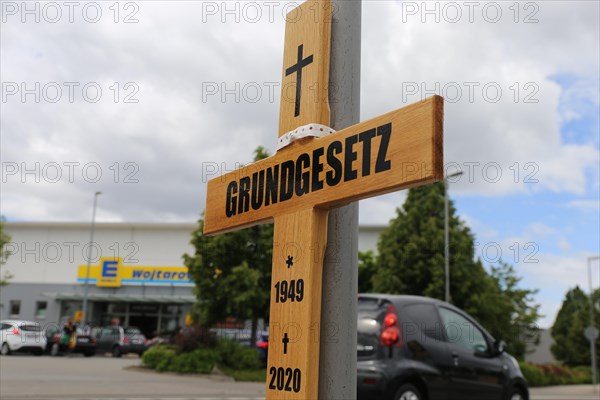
<point x="564" y="244"/>
<point x="172" y="133"/>
<point x="585" y="205"/>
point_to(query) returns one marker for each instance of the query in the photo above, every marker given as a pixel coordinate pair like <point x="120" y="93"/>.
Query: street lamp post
<point x="89" y="259"/>
<point x="447" y="237"/>
<point x="592" y="336"/>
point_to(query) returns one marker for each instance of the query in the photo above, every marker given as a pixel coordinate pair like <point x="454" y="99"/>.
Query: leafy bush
<point x="199" y="361"/>
<point x="227" y="353"/>
<point x="163" y="358"/>
<point x="158" y="357"/>
<point x="236" y="356"/>
<point x="551" y="374"/>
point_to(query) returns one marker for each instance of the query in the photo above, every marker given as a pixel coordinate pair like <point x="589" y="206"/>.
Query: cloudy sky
<point x="145" y="100"/>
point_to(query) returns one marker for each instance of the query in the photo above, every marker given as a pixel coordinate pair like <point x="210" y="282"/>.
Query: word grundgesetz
<point x="280" y="182"/>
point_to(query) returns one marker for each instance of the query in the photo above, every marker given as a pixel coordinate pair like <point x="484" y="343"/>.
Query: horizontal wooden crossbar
<point x="394" y="151"/>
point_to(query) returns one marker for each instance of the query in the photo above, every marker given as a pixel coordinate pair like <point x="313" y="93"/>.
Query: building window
<point x="15" y="308"/>
<point x="40" y="309"/>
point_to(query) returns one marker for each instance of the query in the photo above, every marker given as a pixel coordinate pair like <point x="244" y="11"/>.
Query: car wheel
<point x="116" y="352"/>
<point x="516" y="394"/>
<point x="38" y="352"/>
<point x="5" y="350"/>
<point x="408" y="392"/>
<point x="89" y="354"/>
<point x="55" y="350"/>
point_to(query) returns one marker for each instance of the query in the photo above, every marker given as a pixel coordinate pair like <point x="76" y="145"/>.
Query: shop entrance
<point x="145" y="323"/>
<point x="145" y="317"/>
<point x="152" y="319"/>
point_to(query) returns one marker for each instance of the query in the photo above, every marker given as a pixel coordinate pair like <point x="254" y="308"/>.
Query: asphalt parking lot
<point x="24" y="377"/>
<point x="76" y="377"/>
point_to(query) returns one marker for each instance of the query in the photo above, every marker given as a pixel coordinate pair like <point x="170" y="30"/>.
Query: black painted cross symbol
<point x="290" y="261"/>
<point x="298" y="69"/>
<point x="285" y="342"/>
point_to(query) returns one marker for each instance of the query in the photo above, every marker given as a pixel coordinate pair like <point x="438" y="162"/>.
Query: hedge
<point x="227" y="354"/>
<point x="552" y="374"/>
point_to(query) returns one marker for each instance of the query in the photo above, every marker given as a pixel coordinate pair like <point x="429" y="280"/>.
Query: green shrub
<point x="228" y="354"/>
<point x="552" y="374"/>
<point x="163" y="358"/>
<point x="236" y="356"/>
<point x="199" y="361"/>
<point x="158" y="357"/>
<point x="582" y="375"/>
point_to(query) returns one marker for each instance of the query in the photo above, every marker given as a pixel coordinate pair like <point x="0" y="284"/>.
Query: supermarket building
<point x="136" y="273"/>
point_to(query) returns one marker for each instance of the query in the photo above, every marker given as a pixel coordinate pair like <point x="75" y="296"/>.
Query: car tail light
<point x="16" y="331"/>
<point x="126" y="340"/>
<point x="92" y="341"/>
<point x="262" y="345"/>
<point x="390" y="334"/>
<point x="370" y="381"/>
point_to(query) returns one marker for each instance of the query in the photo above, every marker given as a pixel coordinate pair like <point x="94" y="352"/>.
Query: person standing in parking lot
<point x="68" y="336"/>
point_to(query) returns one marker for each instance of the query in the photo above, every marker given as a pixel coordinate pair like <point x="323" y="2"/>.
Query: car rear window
<point x="370" y="316"/>
<point x="30" y="328"/>
<point x="367" y="336"/>
<point x="368" y="304"/>
<point x="132" y="331"/>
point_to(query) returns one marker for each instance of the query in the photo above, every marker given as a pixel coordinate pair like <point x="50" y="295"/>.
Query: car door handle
<point x="455" y="358"/>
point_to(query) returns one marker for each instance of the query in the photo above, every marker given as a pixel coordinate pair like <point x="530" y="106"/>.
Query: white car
<point x="24" y="336"/>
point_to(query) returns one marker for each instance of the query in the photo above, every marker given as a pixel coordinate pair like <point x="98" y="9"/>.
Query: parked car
<point x="417" y="348"/>
<point x="22" y="336"/>
<point x="262" y="345"/>
<point x="84" y="343"/>
<point x="118" y="340"/>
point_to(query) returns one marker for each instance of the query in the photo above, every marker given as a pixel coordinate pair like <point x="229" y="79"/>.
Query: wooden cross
<point x="297" y="186"/>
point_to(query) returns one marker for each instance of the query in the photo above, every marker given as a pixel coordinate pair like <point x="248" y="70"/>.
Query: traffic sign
<point x="591" y="333"/>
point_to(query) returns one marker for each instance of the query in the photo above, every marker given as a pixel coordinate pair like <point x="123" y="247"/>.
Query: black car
<point x="417" y="348"/>
<point x="118" y="340"/>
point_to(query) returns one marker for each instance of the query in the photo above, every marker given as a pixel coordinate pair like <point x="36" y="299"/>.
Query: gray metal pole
<point x="89" y="257"/>
<point x="337" y="372"/>
<point x="447" y="237"/>
<point x="446" y="244"/>
<point x="592" y="339"/>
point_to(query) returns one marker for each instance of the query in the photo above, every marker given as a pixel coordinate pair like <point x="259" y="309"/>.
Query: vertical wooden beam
<point x="294" y="324"/>
<point x="309" y="26"/>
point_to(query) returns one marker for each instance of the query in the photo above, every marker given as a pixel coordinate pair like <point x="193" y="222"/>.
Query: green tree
<point x="411" y="261"/>
<point x="570" y="345"/>
<point x="5" y="238"/>
<point x="232" y="272"/>
<point x="411" y="251"/>
<point x="367" y="265"/>
<point x="515" y="305"/>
